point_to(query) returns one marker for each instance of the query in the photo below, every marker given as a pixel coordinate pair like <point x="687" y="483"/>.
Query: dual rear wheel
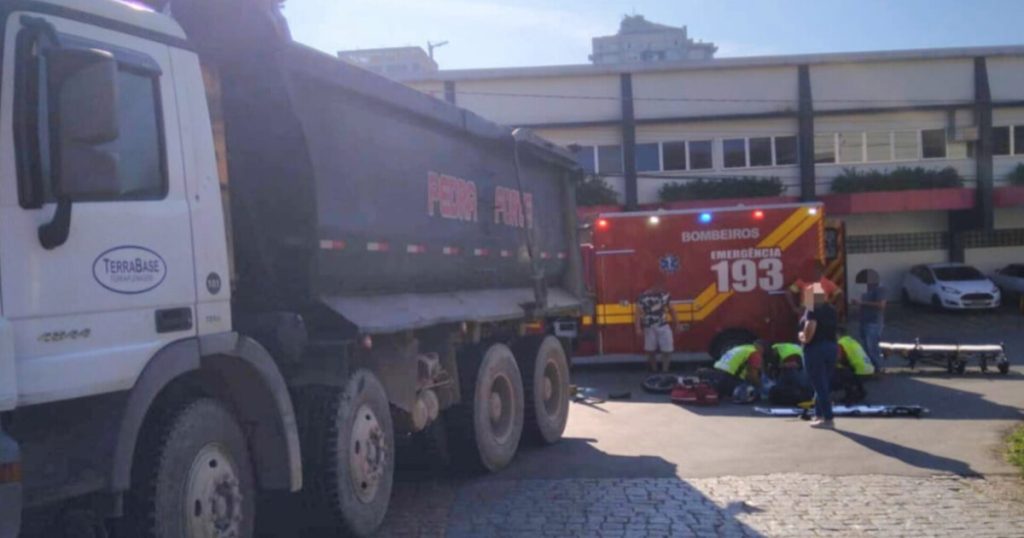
<point x="509" y="392"/>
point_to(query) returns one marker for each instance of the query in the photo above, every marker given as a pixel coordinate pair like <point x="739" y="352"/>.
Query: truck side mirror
<point x="83" y="117"/>
<point x="82" y="104"/>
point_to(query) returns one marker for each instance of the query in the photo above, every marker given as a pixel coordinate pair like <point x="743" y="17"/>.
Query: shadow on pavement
<point x="910" y="456"/>
<point x="944" y="402"/>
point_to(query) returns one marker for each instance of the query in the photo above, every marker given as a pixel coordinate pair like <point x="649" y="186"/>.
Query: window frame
<point x="35" y="190"/>
<point x="711" y="153"/>
<point x="746" y="153"/>
<point x="921" y="150"/>
<point x="796" y="150"/>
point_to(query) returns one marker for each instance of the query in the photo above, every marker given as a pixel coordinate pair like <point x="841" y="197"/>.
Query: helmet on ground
<point x="744" y="393"/>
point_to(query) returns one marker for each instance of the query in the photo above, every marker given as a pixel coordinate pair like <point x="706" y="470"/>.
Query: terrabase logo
<point x="129" y="269"/>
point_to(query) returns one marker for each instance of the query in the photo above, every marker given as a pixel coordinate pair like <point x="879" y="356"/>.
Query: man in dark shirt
<point x="872" y="319"/>
<point x="653" y="307"/>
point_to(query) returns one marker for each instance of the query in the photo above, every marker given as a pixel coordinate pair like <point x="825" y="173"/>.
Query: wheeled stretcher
<point x="953" y="356"/>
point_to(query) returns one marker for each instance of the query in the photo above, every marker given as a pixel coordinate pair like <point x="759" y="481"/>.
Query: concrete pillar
<point x="805" y="134"/>
<point x="983" y="149"/>
<point x="628" y="140"/>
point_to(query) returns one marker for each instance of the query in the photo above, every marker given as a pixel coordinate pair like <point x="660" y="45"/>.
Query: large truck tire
<point x="486" y="426"/>
<point x="193" y="476"/>
<point x="348" y="454"/>
<point x="545" y="372"/>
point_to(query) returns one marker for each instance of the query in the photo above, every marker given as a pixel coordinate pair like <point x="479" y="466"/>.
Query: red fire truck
<point x="727" y="270"/>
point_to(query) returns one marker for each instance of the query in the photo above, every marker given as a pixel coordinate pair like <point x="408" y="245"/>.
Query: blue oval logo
<point x="129" y="269"/>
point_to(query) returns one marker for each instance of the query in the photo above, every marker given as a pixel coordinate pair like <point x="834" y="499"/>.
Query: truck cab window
<point x="139" y="148"/>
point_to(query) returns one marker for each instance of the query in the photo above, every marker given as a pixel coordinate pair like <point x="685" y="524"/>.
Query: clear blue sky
<point x="504" y="33"/>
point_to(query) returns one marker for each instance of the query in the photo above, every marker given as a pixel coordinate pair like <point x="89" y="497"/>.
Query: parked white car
<point x="950" y="285"/>
<point x="1010" y="279"/>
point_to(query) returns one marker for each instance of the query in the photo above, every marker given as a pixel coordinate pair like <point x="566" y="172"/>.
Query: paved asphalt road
<point x="646" y="467"/>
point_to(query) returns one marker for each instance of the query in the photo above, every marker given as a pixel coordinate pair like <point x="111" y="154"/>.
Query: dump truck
<point x="234" y="268"/>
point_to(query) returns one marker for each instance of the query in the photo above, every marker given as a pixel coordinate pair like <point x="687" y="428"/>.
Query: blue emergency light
<point x="705" y="218"/>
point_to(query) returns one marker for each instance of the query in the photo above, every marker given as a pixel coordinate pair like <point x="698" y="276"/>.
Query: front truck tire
<point x="486" y="426"/>
<point x="545" y="386"/>
<point x="348" y="445"/>
<point x="194" y="476"/>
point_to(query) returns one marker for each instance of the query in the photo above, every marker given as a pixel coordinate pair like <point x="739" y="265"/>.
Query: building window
<point x="585" y="158"/>
<point x="1018" y="140"/>
<point x="700" y="155"/>
<point x="851" y="147"/>
<point x="904" y="145"/>
<point x="609" y="159"/>
<point x="824" y="148"/>
<point x="933" y="143"/>
<point x="785" y="150"/>
<point x="761" y="151"/>
<point x="647" y="158"/>
<point x="674" y="154"/>
<point x="1000" y="141"/>
<point x="878" y="146"/>
<point x="734" y="152"/>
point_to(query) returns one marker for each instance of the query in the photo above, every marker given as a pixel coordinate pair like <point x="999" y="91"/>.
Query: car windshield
<point x="1014" y="270"/>
<point x="959" y="273"/>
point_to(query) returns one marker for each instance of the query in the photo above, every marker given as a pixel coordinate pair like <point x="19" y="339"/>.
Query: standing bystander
<point x="818" y="335"/>
<point x="872" y="319"/>
<point x="653" y="307"/>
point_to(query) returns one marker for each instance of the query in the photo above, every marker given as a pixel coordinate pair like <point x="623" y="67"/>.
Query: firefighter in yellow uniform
<point x="741" y="364"/>
<point x="852" y="366"/>
<point x="786" y="369"/>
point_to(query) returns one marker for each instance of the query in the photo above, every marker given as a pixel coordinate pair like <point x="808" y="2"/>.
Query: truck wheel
<point x="729" y="339"/>
<point x="348" y="454"/>
<point x="545" y="386"/>
<point x="486" y="426"/>
<point x="193" y="476"/>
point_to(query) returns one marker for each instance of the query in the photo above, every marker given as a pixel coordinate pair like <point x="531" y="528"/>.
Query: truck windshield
<point x="954" y="274"/>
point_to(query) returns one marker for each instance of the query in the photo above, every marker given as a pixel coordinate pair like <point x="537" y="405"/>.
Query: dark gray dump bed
<point x="390" y="207"/>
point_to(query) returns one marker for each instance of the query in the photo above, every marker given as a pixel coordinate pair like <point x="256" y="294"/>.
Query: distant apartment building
<point x="642" y="41"/>
<point x="393" y="62"/>
<point x="805" y="120"/>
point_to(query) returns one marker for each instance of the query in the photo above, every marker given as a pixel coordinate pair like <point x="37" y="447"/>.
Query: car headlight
<point x="948" y="289"/>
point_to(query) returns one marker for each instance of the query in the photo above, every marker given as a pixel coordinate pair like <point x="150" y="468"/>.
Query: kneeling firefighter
<point x="741" y="364"/>
<point x="791" y="383"/>
<point x="852" y="366"/>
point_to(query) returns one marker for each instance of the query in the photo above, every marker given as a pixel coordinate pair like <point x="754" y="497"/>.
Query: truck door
<point x="89" y="312"/>
<point x="616" y="292"/>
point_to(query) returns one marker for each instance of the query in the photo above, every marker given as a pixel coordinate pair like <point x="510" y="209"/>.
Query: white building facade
<point x="803" y="119"/>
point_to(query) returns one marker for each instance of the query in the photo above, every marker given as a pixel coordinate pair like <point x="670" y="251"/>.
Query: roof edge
<point x="721" y="63"/>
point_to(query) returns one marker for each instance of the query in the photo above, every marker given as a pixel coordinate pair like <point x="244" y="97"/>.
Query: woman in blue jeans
<point x="818" y="335"/>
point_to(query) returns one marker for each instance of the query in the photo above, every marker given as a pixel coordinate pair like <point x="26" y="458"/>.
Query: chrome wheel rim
<point x="367" y="454"/>
<point x="213" y="501"/>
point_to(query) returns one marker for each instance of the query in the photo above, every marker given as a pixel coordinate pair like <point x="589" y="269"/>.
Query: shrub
<point x="1016" y="176"/>
<point x="900" y="179"/>
<point x="595" y="191"/>
<point x="714" y="188"/>
<point x="1015" y="448"/>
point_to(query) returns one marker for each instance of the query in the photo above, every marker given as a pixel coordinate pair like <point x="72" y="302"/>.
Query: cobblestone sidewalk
<point x="769" y="505"/>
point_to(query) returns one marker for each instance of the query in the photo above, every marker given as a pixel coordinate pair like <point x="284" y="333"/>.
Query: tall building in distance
<point x="642" y="41"/>
<point x="393" y="62"/>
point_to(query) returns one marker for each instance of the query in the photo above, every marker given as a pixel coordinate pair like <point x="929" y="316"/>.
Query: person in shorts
<point x="653" y="311"/>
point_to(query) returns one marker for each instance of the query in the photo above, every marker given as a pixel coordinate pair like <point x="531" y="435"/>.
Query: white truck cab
<point x="230" y="268"/>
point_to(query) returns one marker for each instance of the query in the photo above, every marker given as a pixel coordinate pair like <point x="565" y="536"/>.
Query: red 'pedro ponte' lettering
<point x="451" y="197"/>
<point x="454" y="198"/>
